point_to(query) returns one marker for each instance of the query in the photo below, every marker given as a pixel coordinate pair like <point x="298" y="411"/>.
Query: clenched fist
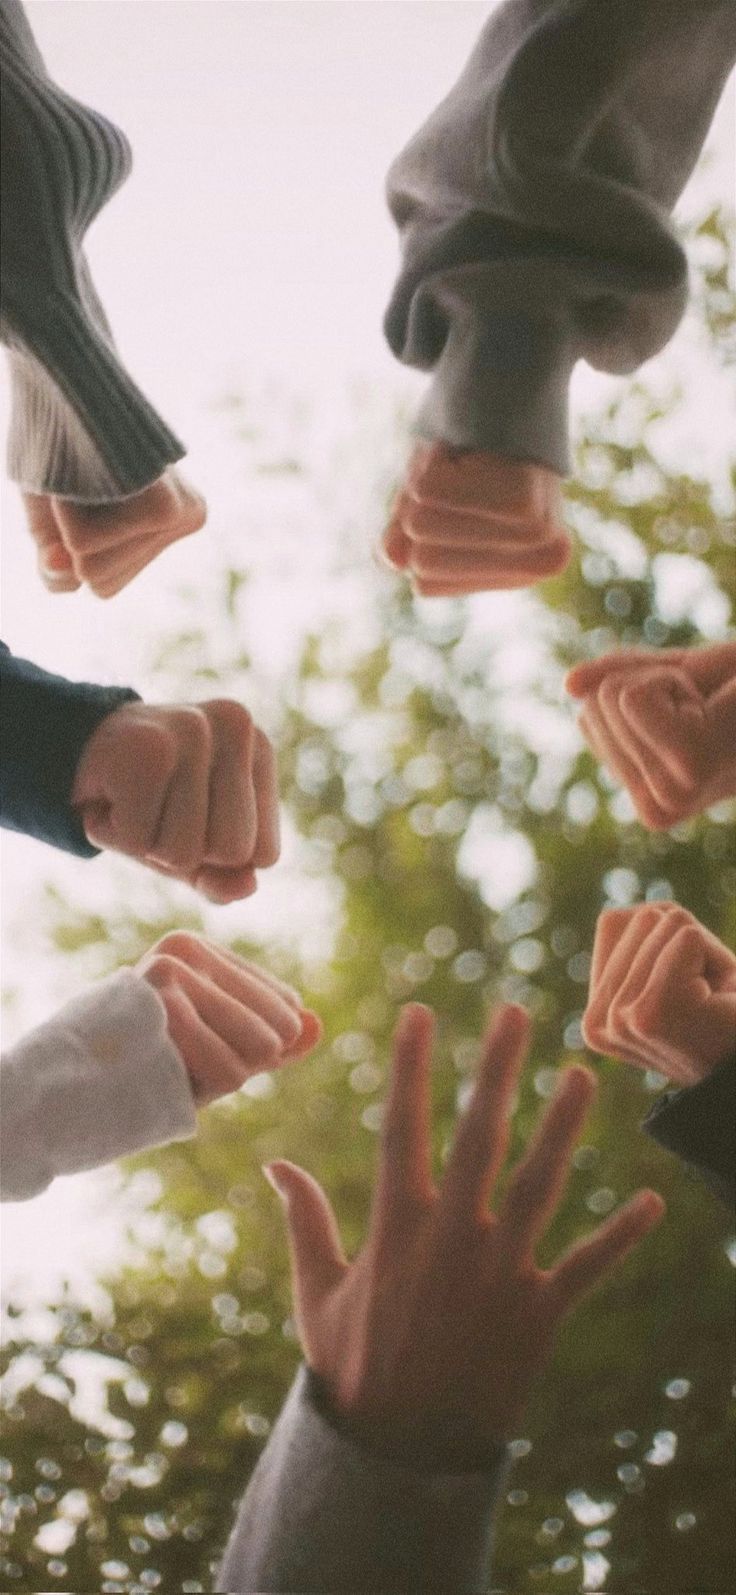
<point x="190" y="791"/>
<point x="665" y="725"/>
<point x="468" y="522"/>
<point x="228" y="1018"/>
<point x="103" y="546"/>
<point x="662" y="992"/>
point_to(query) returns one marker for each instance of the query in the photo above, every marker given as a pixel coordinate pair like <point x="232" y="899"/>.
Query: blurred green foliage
<point x="418" y="778"/>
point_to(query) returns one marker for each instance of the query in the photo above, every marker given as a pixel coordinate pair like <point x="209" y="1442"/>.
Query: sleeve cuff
<point x="99" y="1080"/>
<point x="325" y="1514"/>
<point x="501" y="385"/>
<point x="699" y="1125"/>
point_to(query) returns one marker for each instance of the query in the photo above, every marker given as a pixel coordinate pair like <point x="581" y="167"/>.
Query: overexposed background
<point x="251" y="252"/>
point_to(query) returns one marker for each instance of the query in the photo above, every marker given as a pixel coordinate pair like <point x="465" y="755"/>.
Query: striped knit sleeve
<point x="80" y="427"/>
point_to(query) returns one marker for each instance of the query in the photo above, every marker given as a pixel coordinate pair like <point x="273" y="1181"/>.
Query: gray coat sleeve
<point x="323" y="1516"/>
<point x="534" y="210"/>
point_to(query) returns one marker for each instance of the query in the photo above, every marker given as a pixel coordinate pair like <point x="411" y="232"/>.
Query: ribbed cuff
<point x="80" y="427"/>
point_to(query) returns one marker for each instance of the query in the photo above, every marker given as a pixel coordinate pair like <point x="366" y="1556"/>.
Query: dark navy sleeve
<point x="699" y="1125"/>
<point x="44" y="724"/>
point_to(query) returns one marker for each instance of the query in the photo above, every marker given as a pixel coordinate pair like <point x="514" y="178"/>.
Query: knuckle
<point x="193" y="729"/>
<point x="179" y="945"/>
<point x="162" y="969"/>
<point x="232" y="721"/>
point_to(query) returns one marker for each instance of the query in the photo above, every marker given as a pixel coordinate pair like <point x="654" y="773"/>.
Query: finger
<point x="482" y="1137"/>
<point x="458" y="562"/>
<point x="610" y="927"/>
<point x="231" y="808"/>
<point x="646" y="756"/>
<point x="265" y="781"/>
<point x="311" y="1034"/>
<point x="42" y="525"/>
<point x="708" y="667"/>
<point x="214" y="1070"/>
<point x="256" y="1044"/>
<point x="668" y="718"/>
<point x="317" y="1258"/>
<point x="583" y="1267"/>
<point x="244" y="983"/>
<point x="432" y="524"/>
<point x="289" y="993"/>
<point x="486" y="482"/>
<point x="394" y="544"/>
<point x="604" y="990"/>
<point x="224" y="885"/>
<point x="168" y="508"/>
<point x="537" y="1183"/>
<point x="641" y="1045"/>
<point x="498" y="574"/>
<point x="180" y="837"/>
<point x="609" y="752"/>
<point x="404" y="1172"/>
<point x="107" y="574"/>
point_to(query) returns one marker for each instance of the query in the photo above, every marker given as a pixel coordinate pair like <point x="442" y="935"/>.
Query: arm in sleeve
<point x="44" y="724"/>
<point x="100" y="1079"/>
<point x="534" y="210"/>
<point x="80" y="427"/>
<point x="322" y="1514"/>
<point x="698" y="1124"/>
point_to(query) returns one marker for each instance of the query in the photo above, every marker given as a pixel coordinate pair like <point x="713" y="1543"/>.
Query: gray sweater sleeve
<point x="80" y="428"/>
<point x="323" y="1516"/>
<point x="534" y="210"/>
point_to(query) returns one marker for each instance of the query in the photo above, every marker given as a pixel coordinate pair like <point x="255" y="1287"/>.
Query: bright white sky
<point x="251" y="246"/>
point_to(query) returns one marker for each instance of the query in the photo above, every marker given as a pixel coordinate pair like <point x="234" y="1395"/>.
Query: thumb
<point x="317" y="1258"/>
<point x="54" y="560"/>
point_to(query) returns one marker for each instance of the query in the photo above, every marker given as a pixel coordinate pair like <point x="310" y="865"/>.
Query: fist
<point x="469" y="522"/>
<point x="665" y="725"/>
<point x="662" y="992"/>
<point x="190" y="791"/>
<point x="228" y="1018"/>
<point x="103" y="546"/>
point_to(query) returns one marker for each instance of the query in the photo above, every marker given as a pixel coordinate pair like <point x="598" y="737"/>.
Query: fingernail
<point x="269" y="1172"/>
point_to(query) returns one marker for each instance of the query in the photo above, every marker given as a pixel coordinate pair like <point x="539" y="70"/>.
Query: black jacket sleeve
<point x="699" y="1124"/>
<point x="44" y="724"/>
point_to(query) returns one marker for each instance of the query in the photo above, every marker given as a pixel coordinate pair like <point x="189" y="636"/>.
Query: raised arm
<point x="534" y="213"/>
<point x="384" y="1470"/>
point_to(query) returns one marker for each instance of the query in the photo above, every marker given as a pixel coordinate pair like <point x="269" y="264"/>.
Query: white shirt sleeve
<point x="100" y="1079"/>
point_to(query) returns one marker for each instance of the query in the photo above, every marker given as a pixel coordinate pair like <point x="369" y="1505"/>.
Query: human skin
<point x="662" y="993"/>
<point x="190" y="791"/>
<point x="228" y="1017"/>
<point x="467" y="522"/>
<point x="104" y="546"/>
<point x="665" y="725"/>
<point x="429" y="1341"/>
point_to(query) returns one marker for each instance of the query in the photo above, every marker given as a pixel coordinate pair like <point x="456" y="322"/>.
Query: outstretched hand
<point x="662" y="992"/>
<point x="103" y="546"/>
<point x="228" y="1017"/>
<point x="189" y="790"/>
<point x="429" y="1341"/>
<point x="665" y="725"/>
<point x="469" y="522"/>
